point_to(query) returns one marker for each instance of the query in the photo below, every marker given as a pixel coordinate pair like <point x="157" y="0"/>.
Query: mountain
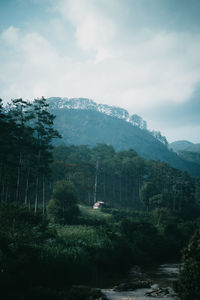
<point x="82" y="121"/>
<point x="187" y="150"/>
<point x="87" y="104"/>
<point x="184" y="146"/>
<point x="180" y="145"/>
<point x="190" y="156"/>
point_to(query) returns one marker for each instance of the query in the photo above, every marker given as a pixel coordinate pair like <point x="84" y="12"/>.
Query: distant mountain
<point x="180" y="145"/>
<point x="190" y="156"/>
<point x="184" y="146"/>
<point x="187" y="150"/>
<point x="194" y="148"/>
<point x="82" y="121"/>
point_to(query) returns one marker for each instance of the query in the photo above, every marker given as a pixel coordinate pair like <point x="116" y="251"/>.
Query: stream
<point x="161" y="276"/>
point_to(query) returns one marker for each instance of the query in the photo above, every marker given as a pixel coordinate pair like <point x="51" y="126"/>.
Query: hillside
<point x="187" y="151"/>
<point x="190" y="156"/>
<point x="82" y="121"/>
<point x="180" y="145"/>
<point x="185" y="146"/>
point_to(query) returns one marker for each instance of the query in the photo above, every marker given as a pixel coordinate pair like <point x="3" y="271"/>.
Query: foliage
<point x="162" y="215"/>
<point x="188" y="286"/>
<point x="43" y="260"/>
<point x="22" y="239"/>
<point x="147" y="192"/>
<point x="62" y="207"/>
<point x="26" y="152"/>
<point x="125" y="180"/>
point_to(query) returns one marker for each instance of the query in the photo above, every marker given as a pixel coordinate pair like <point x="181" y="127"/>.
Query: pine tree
<point x="44" y="133"/>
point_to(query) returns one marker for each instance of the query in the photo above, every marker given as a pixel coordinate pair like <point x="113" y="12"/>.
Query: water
<point x="135" y="295"/>
<point x="162" y="276"/>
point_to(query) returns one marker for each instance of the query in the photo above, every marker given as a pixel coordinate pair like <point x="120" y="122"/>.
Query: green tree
<point x="62" y="207"/>
<point x="189" y="277"/>
<point x="147" y="191"/>
<point x="44" y="133"/>
<point x="157" y="201"/>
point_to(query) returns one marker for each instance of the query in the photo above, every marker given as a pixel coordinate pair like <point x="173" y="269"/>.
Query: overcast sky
<point x="142" y="55"/>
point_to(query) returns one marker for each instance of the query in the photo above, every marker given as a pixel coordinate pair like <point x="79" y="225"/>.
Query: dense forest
<point x="50" y="236"/>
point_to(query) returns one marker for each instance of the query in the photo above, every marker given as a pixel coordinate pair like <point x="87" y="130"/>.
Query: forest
<point x="50" y="236"/>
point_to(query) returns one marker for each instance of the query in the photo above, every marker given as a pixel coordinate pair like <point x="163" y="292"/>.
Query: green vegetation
<point x="62" y="207"/>
<point x="186" y="150"/>
<point x="42" y="260"/>
<point x="51" y="238"/>
<point x="188" y="286"/>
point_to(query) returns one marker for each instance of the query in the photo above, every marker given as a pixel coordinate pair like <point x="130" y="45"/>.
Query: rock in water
<point x="81" y="292"/>
<point x="160" y="293"/>
<point x="133" y="285"/>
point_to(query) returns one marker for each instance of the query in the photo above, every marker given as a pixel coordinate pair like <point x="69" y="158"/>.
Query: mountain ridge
<point x="79" y="122"/>
<point x="184" y="145"/>
<point x="56" y="103"/>
<point x="89" y="104"/>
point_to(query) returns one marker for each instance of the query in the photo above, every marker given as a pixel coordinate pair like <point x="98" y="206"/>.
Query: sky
<point x="141" y="55"/>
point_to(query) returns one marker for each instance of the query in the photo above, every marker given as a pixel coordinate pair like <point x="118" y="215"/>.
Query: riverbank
<point x="162" y="279"/>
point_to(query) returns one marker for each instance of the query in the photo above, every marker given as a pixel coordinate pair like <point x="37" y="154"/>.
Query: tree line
<point x="26" y="152"/>
<point x="124" y="179"/>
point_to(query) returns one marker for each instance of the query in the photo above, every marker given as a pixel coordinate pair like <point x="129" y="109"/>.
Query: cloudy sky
<point x="142" y="55"/>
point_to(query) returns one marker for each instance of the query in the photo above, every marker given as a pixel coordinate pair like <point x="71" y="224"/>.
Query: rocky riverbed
<point x="155" y="283"/>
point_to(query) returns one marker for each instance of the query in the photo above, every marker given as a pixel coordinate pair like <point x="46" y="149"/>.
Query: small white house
<point x="98" y="204"/>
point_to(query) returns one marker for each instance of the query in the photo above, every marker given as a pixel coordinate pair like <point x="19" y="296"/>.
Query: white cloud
<point x="93" y="31"/>
<point x="10" y="35"/>
<point x="35" y="68"/>
<point x="136" y="75"/>
<point x="136" y="68"/>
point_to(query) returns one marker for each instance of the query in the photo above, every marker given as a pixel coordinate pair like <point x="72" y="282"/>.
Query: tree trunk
<point x="2" y="191"/>
<point x="26" y="190"/>
<point x="6" y="196"/>
<point x="120" y="189"/>
<point x="43" y="195"/>
<point x="95" y="183"/>
<point x="36" y="195"/>
<point x="18" y="177"/>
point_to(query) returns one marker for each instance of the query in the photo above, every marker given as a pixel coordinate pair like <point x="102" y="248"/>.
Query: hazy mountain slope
<point x="190" y="156"/>
<point x="194" y="148"/>
<point x="90" y="126"/>
<point x="187" y="151"/>
<point x="180" y="145"/>
<point x="184" y="146"/>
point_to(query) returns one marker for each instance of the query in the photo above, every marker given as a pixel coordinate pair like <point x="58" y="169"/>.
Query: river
<point x="161" y="276"/>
